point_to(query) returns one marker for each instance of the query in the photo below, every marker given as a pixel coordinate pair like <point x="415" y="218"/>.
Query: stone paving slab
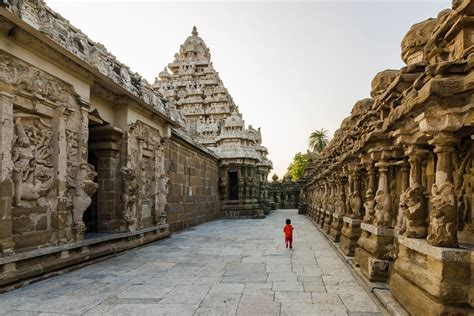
<point x="225" y="267"/>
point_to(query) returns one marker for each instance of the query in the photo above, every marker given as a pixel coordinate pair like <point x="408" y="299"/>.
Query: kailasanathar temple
<point x="99" y="167"/>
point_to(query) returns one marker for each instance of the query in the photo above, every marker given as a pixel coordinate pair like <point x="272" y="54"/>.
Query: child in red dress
<point x="288" y="230"/>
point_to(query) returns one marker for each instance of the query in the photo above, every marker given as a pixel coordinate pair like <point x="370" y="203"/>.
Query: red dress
<point x="288" y="230"/>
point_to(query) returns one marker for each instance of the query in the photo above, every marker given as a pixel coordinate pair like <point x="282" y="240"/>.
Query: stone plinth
<point x="350" y="233"/>
<point x="430" y="280"/>
<point x="327" y="222"/>
<point x="370" y="255"/>
<point x="336" y="227"/>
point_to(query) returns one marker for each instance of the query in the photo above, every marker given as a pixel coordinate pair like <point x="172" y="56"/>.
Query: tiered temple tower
<point x="214" y="121"/>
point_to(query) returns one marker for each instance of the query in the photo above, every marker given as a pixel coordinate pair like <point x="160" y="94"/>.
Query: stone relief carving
<point x="463" y="183"/>
<point x="414" y="215"/>
<point x="356" y="205"/>
<point x="31" y="80"/>
<point x="163" y="189"/>
<point x="84" y="189"/>
<point x="129" y="197"/>
<point x="383" y="206"/>
<point x="443" y="216"/>
<point x="340" y="205"/>
<point x="33" y="172"/>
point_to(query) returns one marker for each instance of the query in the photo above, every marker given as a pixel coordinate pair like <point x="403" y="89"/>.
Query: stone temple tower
<point x="213" y="120"/>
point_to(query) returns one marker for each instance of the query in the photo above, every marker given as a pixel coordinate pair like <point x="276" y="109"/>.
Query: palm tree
<point x="318" y="140"/>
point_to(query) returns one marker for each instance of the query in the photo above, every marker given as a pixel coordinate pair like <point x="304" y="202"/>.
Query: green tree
<point x="318" y="140"/>
<point x="296" y="168"/>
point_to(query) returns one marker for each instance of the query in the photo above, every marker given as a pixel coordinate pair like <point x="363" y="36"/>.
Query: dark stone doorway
<point x="233" y="185"/>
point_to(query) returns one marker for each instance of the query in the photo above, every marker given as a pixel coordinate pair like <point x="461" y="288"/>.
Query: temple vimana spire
<point x="96" y="160"/>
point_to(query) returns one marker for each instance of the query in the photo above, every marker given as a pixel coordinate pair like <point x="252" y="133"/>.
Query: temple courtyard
<point x="225" y="267"/>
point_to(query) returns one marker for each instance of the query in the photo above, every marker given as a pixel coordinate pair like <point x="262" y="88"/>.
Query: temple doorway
<point x="233" y="185"/>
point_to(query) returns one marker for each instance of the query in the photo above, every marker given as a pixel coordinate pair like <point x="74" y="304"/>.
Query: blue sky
<point x="291" y="67"/>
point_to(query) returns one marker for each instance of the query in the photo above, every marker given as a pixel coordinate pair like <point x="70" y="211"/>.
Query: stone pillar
<point x="432" y="276"/>
<point x="442" y="231"/>
<point x="104" y="144"/>
<point x="330" y="207"/>
<point x="339" y="208"/>
<point x="351" y="231"/>
<point x="6" y="167"/>
<point x="108" y="208"/>
<point x="373" y="245"/>
<point x="61" y="222"/>
<point x="324" y="199"/>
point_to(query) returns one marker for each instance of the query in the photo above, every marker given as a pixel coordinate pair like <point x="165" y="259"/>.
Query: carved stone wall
<point x="47" y="163"/>
<point x="407" y="157"/>
<point x="193" y="192"/>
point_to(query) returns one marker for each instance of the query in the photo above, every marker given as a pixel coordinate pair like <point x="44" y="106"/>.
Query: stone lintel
<point x="378" y="231"/>
<point x="438" y="253"/>
<point x="352" y="221"/>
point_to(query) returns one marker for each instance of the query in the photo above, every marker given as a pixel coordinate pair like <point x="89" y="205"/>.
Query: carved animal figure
<point x="383" y="216"/>
<point x="356" y="205"/>
<point x="84" y="188"/>
<point x="369" y="206"/>
<point x="442" y="231"/>
<point x="415" y="212"/>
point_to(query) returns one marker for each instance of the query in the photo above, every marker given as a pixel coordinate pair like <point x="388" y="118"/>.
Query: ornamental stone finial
<point x="194" y="32"/>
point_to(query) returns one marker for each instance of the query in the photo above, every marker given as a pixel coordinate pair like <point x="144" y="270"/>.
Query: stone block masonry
<point x="193" y="196"/>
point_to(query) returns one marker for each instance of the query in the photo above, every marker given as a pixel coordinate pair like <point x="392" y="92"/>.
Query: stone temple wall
<point x="194" y="187"/>
<point x="393" y="188"/>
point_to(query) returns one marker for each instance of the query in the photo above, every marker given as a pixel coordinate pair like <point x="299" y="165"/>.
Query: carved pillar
<point x="442" y="231"/>
<point x="369" y="205"/>
<point x="6" y="166"/>
<point x="61" y="222"/>
<point x="375" y="240"/>
<point x="340" y="206"/>
<point x="383" y="214"/>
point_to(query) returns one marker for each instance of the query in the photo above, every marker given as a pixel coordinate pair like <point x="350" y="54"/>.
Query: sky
<point x="291" y="66"/>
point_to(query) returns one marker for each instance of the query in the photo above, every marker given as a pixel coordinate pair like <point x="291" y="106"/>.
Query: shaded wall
<point x="193" y="196"/>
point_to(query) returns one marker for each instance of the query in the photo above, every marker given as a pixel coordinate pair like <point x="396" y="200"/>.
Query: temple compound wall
<point x="284" y="194"/>
<point x="93" y="159"/>
<point x="194" y="184"/>
<point x="393" y="189"/>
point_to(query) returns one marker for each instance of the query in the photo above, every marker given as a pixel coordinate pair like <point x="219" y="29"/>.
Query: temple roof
<point x="193" y="49"/>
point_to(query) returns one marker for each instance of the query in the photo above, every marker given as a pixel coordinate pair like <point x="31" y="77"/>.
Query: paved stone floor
<point x="226" y="267"/>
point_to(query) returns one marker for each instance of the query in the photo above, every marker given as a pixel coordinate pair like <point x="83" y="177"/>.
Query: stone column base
<point x="336" y="227"/>
<point x="429" y="280"/>
<point x="370" y="255"/>
<point x="350" y="233"/>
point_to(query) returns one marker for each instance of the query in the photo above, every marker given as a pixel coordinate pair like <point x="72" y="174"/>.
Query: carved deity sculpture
<point x="163" y="189"/>
<point x="340" y="205"/>
<point x="356" y="205"/>
<point x="84" y="188"/>
<point x="415" y="212"/>
<point x="129" y="197"/>
<point x="443" y="216"/>
<point x="23" y="162"/>
<point x="401" y="215"/>
<point x="383" y="216"/>
<point x="369" y="207"/>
